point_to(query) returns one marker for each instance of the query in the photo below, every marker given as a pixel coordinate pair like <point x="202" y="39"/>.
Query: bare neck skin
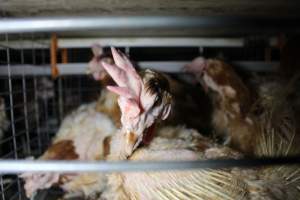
<point x="119" y="143"/>
<point x="117" y="147"/>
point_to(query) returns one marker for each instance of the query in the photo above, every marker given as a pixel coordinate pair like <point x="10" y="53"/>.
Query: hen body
<point x="179" y="143"/>
<point x="83" y="135"/>
<point x="232" y="102"/>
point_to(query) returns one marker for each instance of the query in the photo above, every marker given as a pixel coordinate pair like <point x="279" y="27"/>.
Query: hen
<point x="237" y="115"/>
<point x="83" y="135"/>
<point x="231" y="101"/>
<point x="95" y="67"/>
<point x="144" y="101"/>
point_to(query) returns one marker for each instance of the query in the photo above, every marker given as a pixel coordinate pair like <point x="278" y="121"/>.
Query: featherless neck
<point x="117" y="147"/>
<point x="124" y="143"/>
<point x="150" y="133"/>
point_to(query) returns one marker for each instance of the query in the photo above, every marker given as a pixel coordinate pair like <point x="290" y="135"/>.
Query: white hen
<point x="83" y="135"/>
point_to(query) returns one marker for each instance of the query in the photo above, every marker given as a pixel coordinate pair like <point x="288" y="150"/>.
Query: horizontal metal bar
<point x="25" y="44"/>
<point x="91" y="23"/>
<point x="126" y="42"/>
<point x="151" y="42"/>
<point x="131" y="42"/>
<point x="164" y="66"/>
<point x="176" y="66"/>
<point x="18" y="166"/>
<point x="19" y="70"/>
<point x="55" y="24"/>
<point x="81" y="68"/>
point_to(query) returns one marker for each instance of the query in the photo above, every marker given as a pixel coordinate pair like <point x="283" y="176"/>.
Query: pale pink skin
<point x="198" y="67"/>
<point x="95" y="66"/>
<point x="135" y="102"/>
<point x="36" y="181"/>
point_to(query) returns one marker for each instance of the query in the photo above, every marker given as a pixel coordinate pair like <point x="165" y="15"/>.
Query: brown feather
<point x="106" y="146"/>
<point x="108" y="104"/>
<point x="62" y="150"/>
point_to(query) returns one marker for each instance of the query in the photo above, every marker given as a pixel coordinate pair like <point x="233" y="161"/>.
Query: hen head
<point x="143" y="98"/>
<point x="95" y="65"/>
<point x="217" y="76"/>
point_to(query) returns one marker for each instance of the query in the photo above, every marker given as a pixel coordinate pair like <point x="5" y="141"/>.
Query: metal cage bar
<point x="13" y="166"/>
<point x="54" y="24"/>
<point x="165" y="66"/>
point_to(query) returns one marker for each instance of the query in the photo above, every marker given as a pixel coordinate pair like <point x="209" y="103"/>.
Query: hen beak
<point x="201" y="78"/>
<point x="185" y="68"/>
<point x="132" y="142"/>
<point x="188" y="76"/>
<point x="202" y="82"/>
<point x="88" y="71"/>
<point x="199" y="75"/>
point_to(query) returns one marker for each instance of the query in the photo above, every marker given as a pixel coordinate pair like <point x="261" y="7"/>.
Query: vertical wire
<point x="45" y="100"/>
<point x="36" y="102"/>
<point x="1" y="176"/>
<point x="28" y="149"/>
<point x="201" y="50"/>
<point x="2" y="188"/>
<point x="61" y="81"/>
<point x="12" y="108"/>
<point x="70" y="87"/>
<point x="55" y="105"/>
<point x="37" y="118"/>
<point x="11" y="98"/>
<point x="60" y="98"/>
<point x="127" y="51"/>
<point x="80" y="89"/>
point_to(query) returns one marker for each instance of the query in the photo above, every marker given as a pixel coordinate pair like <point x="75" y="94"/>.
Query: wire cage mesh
<point x="32" y="105"/>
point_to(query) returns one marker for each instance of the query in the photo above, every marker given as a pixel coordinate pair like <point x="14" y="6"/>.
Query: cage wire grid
<point x="26" y="113"/>
<point x="33" y="105"/>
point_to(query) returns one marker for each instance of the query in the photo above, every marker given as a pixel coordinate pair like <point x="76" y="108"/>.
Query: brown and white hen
<point x="232" y="102"/>
<point x="83" y="135"/>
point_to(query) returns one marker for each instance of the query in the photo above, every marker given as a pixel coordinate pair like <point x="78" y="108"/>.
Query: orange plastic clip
<point x="53" y="56"/>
